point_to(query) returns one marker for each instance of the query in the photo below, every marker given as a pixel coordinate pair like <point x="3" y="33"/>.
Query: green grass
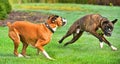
<point x="84" y="51"/>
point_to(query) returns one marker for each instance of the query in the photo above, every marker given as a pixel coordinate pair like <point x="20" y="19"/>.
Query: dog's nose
<point x="64" y="21"/>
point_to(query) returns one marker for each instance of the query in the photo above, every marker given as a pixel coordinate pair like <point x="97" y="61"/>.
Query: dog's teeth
<point x="109" y="29"/>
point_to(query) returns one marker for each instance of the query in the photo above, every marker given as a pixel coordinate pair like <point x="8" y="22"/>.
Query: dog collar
<point x="46" y="24"/>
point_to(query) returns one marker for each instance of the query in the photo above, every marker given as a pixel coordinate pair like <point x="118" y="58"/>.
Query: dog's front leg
<point x="65" y="36"/>
<point x="38" y="51"/>
<point x="102" y="39"/>
<point x="107" y="42"/>
<point x="39" y="45"/>
<point x="99" y="37"/>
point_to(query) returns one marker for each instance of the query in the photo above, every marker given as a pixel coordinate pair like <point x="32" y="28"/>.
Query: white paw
<point x="101" y="45"/>
<point x="27" y="56"/>
<point x="47" y="56"/>
<point x="113" y="48"/>
<point x="51" y="59"/>
<point x="20" y="55"/>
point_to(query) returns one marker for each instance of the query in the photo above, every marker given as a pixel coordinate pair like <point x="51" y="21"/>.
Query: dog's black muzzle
<point x="108" y="32"/>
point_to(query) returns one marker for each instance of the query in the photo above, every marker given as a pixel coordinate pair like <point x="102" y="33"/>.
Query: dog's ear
<point x="54" y="18"/>
<point x="114" y="21"/>
<point x="104" y="20"/>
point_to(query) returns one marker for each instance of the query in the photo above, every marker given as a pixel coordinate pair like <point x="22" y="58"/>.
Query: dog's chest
<point x="100" y="32"/>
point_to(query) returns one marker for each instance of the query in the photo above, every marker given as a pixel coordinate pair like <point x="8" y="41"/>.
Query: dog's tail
<point x="9" y="24"/>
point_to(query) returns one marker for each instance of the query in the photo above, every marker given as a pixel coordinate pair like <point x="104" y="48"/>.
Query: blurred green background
<point x="85" y="50"/>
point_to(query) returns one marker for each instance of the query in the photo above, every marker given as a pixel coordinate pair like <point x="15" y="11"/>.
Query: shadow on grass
<point x="2" y="55"/>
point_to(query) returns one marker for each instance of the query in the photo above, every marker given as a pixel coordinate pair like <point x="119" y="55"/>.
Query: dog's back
<point x="25" y="29"/>
<point x="85" y="22"/>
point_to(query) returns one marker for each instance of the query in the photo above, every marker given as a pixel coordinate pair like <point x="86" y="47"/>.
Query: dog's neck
<point x="53" y="26"/>
<point x="49" y="27"/>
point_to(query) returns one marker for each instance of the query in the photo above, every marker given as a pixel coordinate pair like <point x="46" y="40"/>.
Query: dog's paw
<point x="51" y="59"/>
<point x="20" y="55"/>
<point x="113" y="48"/>
<point x="101" y="45"/>
<point x="27" y="56"/>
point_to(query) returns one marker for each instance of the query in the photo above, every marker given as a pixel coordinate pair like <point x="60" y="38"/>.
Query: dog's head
<point x="107" y="26"/>
<point x="57" y="20"/>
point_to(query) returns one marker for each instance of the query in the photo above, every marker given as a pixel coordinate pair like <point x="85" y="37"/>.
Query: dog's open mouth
<point x="108" y="34"/>
<point x="64" y="22"/>
<point x="108" y="31"/>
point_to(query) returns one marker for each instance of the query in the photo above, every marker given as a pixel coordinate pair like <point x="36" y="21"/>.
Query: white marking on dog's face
<point x="109" y="29"/>
<point x="113" y="48"/>
<point x="101" y="44"/>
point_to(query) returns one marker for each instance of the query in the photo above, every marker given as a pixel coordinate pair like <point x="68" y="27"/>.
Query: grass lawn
<point x="84" y="51"/>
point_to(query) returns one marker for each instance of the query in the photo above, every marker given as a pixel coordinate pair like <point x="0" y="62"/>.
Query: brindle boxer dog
<point x="36" y="35"/>
<point x="91" y="23"/>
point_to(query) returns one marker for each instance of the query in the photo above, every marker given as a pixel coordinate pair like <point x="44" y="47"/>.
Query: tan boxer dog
<point x="91" y="23"/>
<point x="36" y="35"/>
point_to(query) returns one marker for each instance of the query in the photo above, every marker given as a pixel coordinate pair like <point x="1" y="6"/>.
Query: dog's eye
<point x="106" y="27"/>
<point x="109" y="28"/>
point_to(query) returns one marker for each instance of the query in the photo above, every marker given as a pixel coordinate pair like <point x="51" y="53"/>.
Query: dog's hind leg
<point x="25" y="45"/>
<point x="75" y="37"/>
<point x="65" y="36"/>
<point x="16" y="39"/>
